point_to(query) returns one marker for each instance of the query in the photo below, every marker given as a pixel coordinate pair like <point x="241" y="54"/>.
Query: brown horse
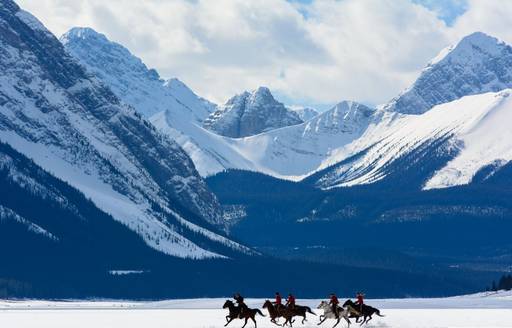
<point x="234" y="313"/>
<point x="366" y="311"/>
<point x="276" y="312"/>
<point x="298" y="311"/>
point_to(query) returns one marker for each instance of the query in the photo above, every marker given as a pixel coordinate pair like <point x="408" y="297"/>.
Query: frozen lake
<point x="480" y="310"/>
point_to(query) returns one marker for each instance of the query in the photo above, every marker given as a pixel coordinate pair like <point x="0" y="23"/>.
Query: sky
<point x="308" y="52"/>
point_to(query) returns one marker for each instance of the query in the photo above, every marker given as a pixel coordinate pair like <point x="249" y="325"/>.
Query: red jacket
<point x="334" y="300"/>
<point x="360" y="299"/>
<point x="291" y="300"/>
<point x="278" y="299"/>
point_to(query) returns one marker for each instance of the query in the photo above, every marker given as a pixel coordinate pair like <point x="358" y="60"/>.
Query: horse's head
<point x="227" y="305"/>
<point x="267" y="304"/>
<point x="322" y="305"/>
<point x="348" y="302"/>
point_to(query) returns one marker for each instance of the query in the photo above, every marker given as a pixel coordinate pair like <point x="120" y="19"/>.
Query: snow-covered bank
<point x="488" y="300"/>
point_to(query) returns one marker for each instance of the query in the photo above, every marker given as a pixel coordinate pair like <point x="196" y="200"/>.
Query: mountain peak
<point x="470" y="46"/>
<point x="251" y="113"/>
<point x="479" y="63"/>
<point x="479" y="38"/>
<point x="82" y="33"/>
<point x="305" y="113"/>
<point x="263" y="91"/>
<point x="346" y="116"/>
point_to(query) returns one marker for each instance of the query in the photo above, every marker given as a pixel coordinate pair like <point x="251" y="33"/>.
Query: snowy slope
<point x="251" y="113"/>
<point x="170" y="105"/>
<point x="462" y="123"/>
<point x="53" y="112"/>
<point x="210" y="152"/>
<point x="485" y="141"/>
<point x="479" y="63"/>
<point x="294" y="151"/>
<point x="130" y="79"/>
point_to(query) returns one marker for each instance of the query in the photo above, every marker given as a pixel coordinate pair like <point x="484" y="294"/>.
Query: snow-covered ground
<point x="478" y="310"/>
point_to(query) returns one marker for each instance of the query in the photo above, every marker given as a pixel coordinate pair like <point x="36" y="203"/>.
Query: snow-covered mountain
<point x="479" y="63"/>
<point x="54" y="112"/>
<point x="251" y="113"/>
<point x="469" y="131"/>
<point x="305" y="113"/>
<point x="170" y="105"/>
<point x="130" y="79"/>
<point x="441" y="112"/>
<point x="348" y="145"/>
<point x="290" y="151"/>
<point x="295" y="151"/>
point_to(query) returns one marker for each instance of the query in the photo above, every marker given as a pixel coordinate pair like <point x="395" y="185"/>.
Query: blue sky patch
<point x="447" y="10"/>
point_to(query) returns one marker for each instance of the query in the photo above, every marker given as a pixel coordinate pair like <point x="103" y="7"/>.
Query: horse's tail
<point x="308" y="309"/>
<point x="378" y="313"/>
<point x="259" y="312"/>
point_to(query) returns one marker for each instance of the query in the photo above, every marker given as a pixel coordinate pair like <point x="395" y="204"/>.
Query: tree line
<point x="505" y="283"/>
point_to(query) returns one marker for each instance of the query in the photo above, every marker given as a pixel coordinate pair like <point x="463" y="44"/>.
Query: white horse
<point x="329" y="313"/>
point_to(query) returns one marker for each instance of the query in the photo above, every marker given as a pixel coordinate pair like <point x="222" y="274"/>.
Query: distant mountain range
<point x="107" y="167"/>
<point x="264" y="136"/>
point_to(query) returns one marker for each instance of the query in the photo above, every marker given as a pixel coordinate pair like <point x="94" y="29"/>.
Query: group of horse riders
<point x="332" y="309"/>
<point x="290" y="302"/>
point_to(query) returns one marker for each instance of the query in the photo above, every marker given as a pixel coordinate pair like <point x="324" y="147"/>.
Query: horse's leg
<point x="347" y="319"/>
<point x="304" y="319"/>
<point x="230" y="319"/>
<point x="322" y="320"/>
<point x="337" y="322"/>
<point x="246" y="318"/>
<point x="364" y="320"/>
<point x="255" y="325"/>
<point x="370" y="318"/>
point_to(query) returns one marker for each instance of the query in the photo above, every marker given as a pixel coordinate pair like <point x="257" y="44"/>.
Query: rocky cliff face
<point x="251" y="113"/>
<point x="131" y="80"/>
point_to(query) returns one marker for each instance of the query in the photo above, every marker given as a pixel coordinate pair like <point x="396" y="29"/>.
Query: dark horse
<point x="366" y="311"/>
<point x="234" y="313"/>
<point x="298" y="311"/>
<point x="276" y="312"/>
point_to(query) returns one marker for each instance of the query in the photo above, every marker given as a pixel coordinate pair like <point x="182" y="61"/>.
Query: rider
<point x="240" y="301"/>
<point x="360" y="301"/>
<point x="279" y="302"/>
<point x="334" y="304"/>
<point x="290" y="302"/>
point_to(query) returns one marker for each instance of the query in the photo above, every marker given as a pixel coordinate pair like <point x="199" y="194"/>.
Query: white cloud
<point x="493" y="17"/>
<point x="323" y="52"/>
